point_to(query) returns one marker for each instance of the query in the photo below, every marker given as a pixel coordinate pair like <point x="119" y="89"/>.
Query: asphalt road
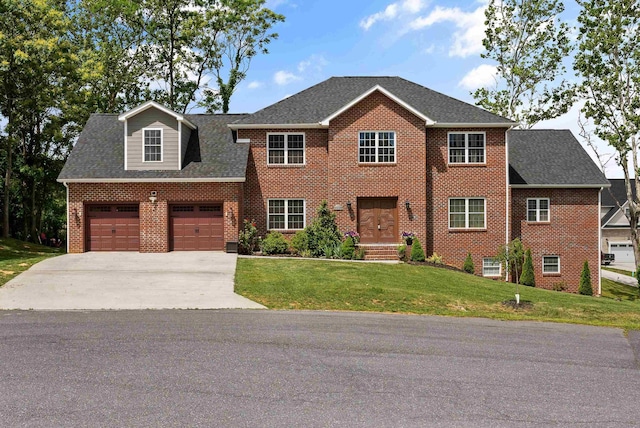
<point x="268" y="368"/>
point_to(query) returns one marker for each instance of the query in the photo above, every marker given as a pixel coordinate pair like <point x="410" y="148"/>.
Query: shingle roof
<point x="548" y="157"/>
<point x="318" y="102"/>
<point x="616" y="193"/>
<point x="211" y="153"/>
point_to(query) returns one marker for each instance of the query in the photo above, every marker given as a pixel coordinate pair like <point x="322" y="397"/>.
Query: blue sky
<point x="436" y="43"/>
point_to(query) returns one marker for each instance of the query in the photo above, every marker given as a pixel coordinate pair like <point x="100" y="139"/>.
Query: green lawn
<point x="18" y="256"/>
<point x="404" y="288"/>
<point x="619" y="271"/>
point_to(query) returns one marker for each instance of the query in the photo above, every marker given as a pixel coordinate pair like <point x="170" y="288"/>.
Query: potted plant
<point x="355" y="236"/>
<point x="407" y="237"/>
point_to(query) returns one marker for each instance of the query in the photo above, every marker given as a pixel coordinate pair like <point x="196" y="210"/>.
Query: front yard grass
<point x="618" y="271"/>
<point x="18" y="256"/>
<point x="404" y="288"/>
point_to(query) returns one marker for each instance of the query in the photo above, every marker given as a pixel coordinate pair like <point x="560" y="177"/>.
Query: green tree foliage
<point x="417" y="253"/>
<point x="323" y="233"/>
<point x="585" y="287"/>
<point x="468" y="265"/>
<point x="512" y="257"/>
<point x="528" y="277"/>
<point x="274" y="243"/>
<point x="528" y="42"/>
<point x="608" y="62"/>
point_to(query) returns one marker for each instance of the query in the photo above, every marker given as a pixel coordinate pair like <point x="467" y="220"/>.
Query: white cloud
<point x="254" y="85"/>
<point x="314" y="63"/>
<point x="480" y="77"/>
<point x="470" y="28"/>
<point x="392" y="11"/>
<point x="430" y="49"/>
<point x="283" y="77"/>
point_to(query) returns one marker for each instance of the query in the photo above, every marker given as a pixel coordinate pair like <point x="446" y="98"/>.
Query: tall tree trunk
<point x="7" y="190"/>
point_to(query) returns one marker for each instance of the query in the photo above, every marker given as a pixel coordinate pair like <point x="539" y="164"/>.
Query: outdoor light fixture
<point x="77" y="214"/>
<point x="153" y="196"/>
<point x="407" y="205"/>
<point x="348" y="205"/>
<point x="230" y="213"/>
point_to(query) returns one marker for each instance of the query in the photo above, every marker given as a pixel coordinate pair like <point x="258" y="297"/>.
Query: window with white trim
<point x="152" y="144"/>
<point x="538" y="209"/>
<point x="285" y="214"/>
<point x="285" y="149"/>
<point x="377" y="147"/>
<point x="550" y="264"/>
<point x="491" y="267"/>
<point x="466" y="147"/>
<point x="467" y="213"/>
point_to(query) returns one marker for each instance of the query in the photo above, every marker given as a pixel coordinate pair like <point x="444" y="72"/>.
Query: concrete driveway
<point x="126" y="280"/>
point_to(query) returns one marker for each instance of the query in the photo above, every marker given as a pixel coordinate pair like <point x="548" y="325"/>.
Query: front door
<point x="377" y="220"/>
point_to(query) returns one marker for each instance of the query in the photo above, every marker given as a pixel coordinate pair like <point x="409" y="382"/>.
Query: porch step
<point x="380" y="252"/>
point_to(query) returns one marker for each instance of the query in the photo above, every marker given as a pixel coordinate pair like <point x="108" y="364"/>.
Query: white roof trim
<point x="347" y="106"/>
<point x="152" y="104"/>
<point x="559" y="186"/>
<point x="472" y="125"/>
<point x="620" y="209"/>
<point x="235" y="126"/>
<point x="155" y="180"/>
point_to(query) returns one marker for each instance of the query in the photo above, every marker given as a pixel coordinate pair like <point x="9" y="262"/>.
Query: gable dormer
<point x="155" y="138"/>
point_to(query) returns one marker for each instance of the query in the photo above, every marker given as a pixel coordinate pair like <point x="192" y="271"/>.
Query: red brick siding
<point x="405" y="179"/>
<point x="154" y="218"/>
<point x="308" y="182"/>
<point x="444" y="181"/>
<point x="572" y="233"/>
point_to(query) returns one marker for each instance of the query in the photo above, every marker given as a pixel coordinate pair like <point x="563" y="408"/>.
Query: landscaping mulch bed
<point x="524" y="304"/>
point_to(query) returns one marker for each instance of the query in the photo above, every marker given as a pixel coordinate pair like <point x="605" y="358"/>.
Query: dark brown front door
<point x="377" y="220"/>
<point x="197" y="227"/>
<point x="113" y="228"/>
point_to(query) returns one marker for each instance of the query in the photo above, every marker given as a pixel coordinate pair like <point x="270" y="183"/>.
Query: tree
<point x="528" y="277"/>
<point x="323" y="233"/>
<point x="585" y="287"/>
<point x="529" y="42"/>
<point x="608" y="62"/>
<point x="512" y="257"/>
<point x="468" y="265"/>
<point x="417" y="253"/>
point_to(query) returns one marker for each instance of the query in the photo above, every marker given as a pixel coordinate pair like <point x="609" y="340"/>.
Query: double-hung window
<point x="538" y="210"/>
<point x="285" y="149"/>
<point x="491" y="267"/>
<point x="550" y="264"/>
<point x="285" y="214"/>
<point x="467" y="213"/>
<point x="467" y="147"/>
<point x="152" y="144"/>
<point x="377" y="147"/>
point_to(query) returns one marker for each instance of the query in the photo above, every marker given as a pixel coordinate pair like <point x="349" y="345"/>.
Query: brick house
<point x="387" y="154"/>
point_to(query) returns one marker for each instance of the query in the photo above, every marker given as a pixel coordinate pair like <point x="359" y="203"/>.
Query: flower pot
<point x="409" y="242"/>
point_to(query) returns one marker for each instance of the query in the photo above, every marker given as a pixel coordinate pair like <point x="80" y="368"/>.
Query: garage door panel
<point x="197" y="227"/>
<point x="623" y="252"/>
<point x="113" y="228"/>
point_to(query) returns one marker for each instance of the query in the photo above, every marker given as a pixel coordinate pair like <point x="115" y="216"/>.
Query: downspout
<point x="599" y="242"/>
<point x="507" y="196"/>
<point x="66" y="185"/>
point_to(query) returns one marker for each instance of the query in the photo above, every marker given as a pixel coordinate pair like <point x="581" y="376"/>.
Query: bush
<point x="417" y="253"/>
<point x="559" y="286"/>
<point x="323" y="234"/>
<point x="300" y="243"/>
<point x="348" y="248"/>
<point x="248" y="237"/>
<point x="332" y="251"/>
<point x="359" y="254"/>
<point x="468" y="266"/>
<point x="528" y="278"/>
<point x="274" y="243"/>
<point x="402" y="252"/>
<point x="435" y="259"/>
<point x="585" y="281"/>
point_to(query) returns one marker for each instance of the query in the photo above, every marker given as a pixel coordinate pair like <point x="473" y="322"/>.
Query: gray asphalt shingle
<point x="550" y="157"/>
<point x="320" y="101"/>
<point x="211" y="153"/>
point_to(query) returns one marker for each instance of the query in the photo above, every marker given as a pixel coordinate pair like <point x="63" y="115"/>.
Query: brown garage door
<point x="197" y="227"/>
<point x="113" y="228"/>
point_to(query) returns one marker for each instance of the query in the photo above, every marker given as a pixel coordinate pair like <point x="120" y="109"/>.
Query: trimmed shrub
<point x="585" y="287"/>
<point x="417" y="253"/>
<point x="323" y="234"/>
<point x="468" y="266"/>
<point x="274" y="243"/>
<point x="300" y="243"/>
<point x="348" y="248"/>
<point x="402" y="252"/>
<point x="528" y="278"/>
<point x="248" y="237"/>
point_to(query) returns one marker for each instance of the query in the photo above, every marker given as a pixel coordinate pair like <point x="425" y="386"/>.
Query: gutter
<point x="67" y="189"/>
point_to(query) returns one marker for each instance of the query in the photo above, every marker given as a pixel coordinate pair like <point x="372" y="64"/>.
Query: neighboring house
<point x="616" y="237"/>
<point x="387" y="154"/>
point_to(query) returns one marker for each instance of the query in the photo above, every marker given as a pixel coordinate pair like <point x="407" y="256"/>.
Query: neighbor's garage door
<point x="113" y="228"/>
<point x="197" y="227"/>
<point x="623" y="251"/>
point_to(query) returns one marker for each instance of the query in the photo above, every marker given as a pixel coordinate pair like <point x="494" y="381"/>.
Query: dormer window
<point x="152" y="144"/>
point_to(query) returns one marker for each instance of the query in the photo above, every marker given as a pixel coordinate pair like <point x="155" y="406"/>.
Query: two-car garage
<point x="192" y="227"/>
